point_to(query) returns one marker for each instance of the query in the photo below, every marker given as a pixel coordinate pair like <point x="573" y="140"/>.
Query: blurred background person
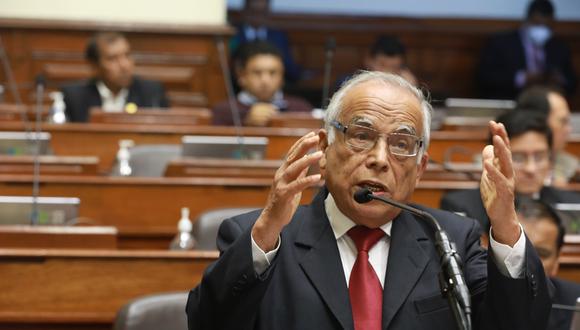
<point x="530" y="55"/>
<point x="260" y="73"/>
<point x="544" y="229"/>
<point x="387" y="54"/>
<point x="531" y="141"/>
<point x="551" y="103"/>
<point x="114" y="87"/>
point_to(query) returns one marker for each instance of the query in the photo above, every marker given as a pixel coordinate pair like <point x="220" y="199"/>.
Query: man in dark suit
<point x="544" y="228"/>
<point x="531" y="141"/>
<point x="114" y="88"/>
<point x="338" y="264"/>
<point x="513" y="60"/>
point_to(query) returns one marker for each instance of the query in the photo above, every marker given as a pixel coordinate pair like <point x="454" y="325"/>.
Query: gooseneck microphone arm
<point x="451" y="280"/>
<point x="40" y="82"/>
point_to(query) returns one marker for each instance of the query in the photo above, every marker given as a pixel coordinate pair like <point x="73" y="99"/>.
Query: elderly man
<point x="114" y="87"/>
<point x="338" y="264"/>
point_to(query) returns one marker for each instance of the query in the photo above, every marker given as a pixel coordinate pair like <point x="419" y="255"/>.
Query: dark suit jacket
<point x="565" y="293"/>
<point x="305" y="286"/>
<point x="80" y="97"/>
<point x="504" y="55"/>
<point x="469" y="202"/>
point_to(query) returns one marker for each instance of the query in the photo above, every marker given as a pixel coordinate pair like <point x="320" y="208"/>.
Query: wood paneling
<point x="58" y="237"/>
<point x="50" y="289"/>
<point x="183" y="57"/>
<point x="442" y="52"/>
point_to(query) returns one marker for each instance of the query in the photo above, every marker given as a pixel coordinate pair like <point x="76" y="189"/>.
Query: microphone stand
<point x="36" y="172"/>
<point x="451" y="280"/>
<point x="237" y="118"/>
<point x="329" y="54"/>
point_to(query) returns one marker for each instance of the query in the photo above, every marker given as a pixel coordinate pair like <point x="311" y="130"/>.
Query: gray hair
<point x="336" y="103"/>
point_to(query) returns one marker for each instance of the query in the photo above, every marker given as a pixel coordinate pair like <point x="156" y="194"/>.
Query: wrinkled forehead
<point x="384" y="106"/>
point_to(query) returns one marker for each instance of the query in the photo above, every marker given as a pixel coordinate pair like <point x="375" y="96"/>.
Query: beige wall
<point x="152" y="11"/>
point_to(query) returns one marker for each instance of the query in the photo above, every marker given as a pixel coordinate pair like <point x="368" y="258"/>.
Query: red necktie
<point x="366" y="293"/>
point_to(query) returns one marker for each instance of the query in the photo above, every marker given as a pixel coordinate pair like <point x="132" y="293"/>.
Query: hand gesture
<point x="286" y="191"/>
<point x="498" y="187"/>
<point x="260" y="114"/>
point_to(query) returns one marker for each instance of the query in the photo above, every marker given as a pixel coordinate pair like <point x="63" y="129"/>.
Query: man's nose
<point x="378" y="155"/>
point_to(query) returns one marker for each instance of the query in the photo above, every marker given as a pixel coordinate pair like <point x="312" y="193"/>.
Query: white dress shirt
<point x="510" y="260"/>
<point x="111" y="102"/>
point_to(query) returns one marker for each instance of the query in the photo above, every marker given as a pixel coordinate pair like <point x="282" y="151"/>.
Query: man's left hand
<point x="498" y="187"/>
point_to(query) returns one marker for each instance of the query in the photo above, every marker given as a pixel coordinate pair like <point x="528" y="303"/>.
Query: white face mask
<point x="539" y="34"/>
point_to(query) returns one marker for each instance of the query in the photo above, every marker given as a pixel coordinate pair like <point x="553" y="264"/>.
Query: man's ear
<point x="322" y="145"/>
<point x="556" y="267"/>
<point x="422" y="166"/>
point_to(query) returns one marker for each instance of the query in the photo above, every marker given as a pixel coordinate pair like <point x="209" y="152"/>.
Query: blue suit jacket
<point x="305" y="287"/>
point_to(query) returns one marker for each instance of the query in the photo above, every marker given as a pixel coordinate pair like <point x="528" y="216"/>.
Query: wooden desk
<point x="222" y="168"/>
<point x="145" y="210"/>
<point x="63" y="165"/>
<point x="144" y="116"/>
<point x="55" y="237"/>
<point x="66" y="289"/>
<point x="102" y="140"/>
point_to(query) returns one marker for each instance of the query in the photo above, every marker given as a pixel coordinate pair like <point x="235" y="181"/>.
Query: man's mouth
<point x="374" y="187"/>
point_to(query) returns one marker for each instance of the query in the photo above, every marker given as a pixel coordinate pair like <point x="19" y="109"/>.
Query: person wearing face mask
<point x="512" y="61"/>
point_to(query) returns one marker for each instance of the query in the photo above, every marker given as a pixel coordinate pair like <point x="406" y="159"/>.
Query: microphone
<point x="570" y="308"/>
<point x="329" y="48"/>
<point x="451" y="280"/>
<point x="237" y="118"/>
<point x="40" y="83"/>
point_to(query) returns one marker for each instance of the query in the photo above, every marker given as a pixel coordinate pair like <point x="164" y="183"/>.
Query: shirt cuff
<point x="260" y="259"/>
<point x="510" y="260"/>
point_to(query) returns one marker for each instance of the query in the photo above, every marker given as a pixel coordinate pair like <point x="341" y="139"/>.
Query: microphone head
<point x="330" y="44"/>
<point x="40" y="80"/>
<point x="364" y="195"/>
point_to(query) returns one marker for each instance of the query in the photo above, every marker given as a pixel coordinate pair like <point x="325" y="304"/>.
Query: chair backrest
<point x="205" y="228"/>
<point x="160" y="311"/>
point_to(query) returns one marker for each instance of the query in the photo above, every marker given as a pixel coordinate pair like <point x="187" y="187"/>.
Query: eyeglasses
<point x="521" y="159"/>
<point x="362" y="138"/>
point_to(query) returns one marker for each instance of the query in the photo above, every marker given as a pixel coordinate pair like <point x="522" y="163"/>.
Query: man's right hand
<point x="260" y="114"/>
<point x="286" y="191"/>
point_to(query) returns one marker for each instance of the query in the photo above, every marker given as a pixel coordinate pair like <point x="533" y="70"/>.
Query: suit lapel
<point x="319" y="258"/>
<point x="407" y="260"/>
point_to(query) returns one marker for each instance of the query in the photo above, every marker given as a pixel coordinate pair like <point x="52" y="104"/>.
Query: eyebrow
<point x="406" y="129"/>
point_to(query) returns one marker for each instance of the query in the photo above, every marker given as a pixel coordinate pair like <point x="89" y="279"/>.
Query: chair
<point x="205" y="228"/>
<point x="159" y="311"/>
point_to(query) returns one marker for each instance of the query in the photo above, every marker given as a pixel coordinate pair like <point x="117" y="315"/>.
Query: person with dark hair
<point x="387" y="54"/>
<point x="531" y="55"/>
<point x="543" y="227"/>
<point x="260" y="73"/>
<point x="531" y="143"/>
<point x="551" y="103"/>
<point x="114" y="87"/>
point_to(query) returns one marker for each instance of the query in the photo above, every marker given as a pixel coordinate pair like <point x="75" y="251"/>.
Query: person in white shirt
<point x="338" y="264"/>
<point x="114" y="87"/>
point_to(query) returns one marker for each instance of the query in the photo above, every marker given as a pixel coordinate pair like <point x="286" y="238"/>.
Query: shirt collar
<point x="248" y="99"/>
<point x="340" y="223"/>
<point x="106" y="93"/>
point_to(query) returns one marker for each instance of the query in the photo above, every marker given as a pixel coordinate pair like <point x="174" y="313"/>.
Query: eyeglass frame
<point x="545" y="159"/>
<point x="343" y="128"/>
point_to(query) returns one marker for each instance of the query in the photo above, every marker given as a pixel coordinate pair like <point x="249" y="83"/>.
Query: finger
<point x="499" y="129"/>
<point x="301" y="147"/>
<point x="303" y="183"/>
<point x="504" y="156"/>
<point x="294" y="170"/>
